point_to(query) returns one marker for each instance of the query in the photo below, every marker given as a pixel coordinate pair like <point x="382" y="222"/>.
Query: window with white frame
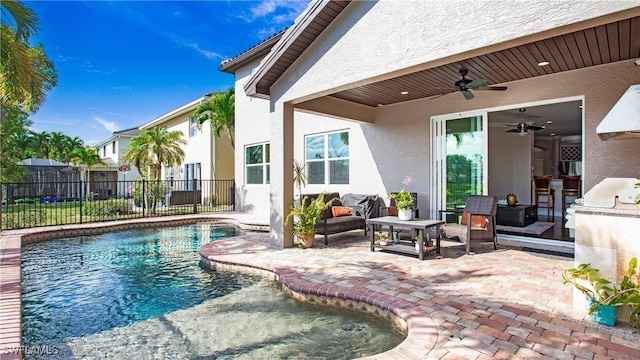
<point x="193" y="126"/>
<point x="192" y="172"/>
<point x="257" y="164"/>
<point x="327" y="157"/>
<point x="113" y="147"/>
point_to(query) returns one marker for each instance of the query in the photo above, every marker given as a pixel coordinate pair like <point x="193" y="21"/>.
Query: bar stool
<point x="570" y="188"/>
<point x="543" y="188"/>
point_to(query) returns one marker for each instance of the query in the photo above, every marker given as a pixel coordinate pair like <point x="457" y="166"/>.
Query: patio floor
<point x="505" y="304"/>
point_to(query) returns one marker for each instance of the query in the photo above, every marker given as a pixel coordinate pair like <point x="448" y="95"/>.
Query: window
<point x="257" y="164"/>
<point x="104" y="151"/>
<point x="191" y="172"/>
<point x="113" y="147"/>
<point x="193" y="126"/>
<point x="327" y="157"/>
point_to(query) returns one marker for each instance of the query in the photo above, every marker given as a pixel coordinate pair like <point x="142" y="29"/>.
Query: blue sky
<point x="121" y="64"/>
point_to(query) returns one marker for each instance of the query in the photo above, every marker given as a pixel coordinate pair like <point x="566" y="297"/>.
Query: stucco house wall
<point x="200" y="148"/>
<point x="371" y="41"/>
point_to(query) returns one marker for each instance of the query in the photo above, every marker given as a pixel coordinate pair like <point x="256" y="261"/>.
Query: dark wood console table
<point x="406" y="247"/>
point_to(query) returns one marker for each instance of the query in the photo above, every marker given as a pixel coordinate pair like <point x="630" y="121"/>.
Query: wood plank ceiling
<point x="599" y="45"/>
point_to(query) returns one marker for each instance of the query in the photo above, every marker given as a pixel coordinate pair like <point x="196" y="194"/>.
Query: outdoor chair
<point x="477" y="223"/>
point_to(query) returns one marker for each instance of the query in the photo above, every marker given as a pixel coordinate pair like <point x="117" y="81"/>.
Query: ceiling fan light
<point x="523" y="133"/>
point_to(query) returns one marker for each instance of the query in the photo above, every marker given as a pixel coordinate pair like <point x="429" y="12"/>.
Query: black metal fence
<point x="34" y="204"/>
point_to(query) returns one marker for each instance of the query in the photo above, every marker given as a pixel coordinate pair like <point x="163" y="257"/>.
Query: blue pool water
<point x="83" y="285"/>
<point x="142" y="294"/>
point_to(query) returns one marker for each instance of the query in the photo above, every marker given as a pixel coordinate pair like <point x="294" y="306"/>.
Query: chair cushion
<point x="338" y="211"/>
<point x="476" y="220"/>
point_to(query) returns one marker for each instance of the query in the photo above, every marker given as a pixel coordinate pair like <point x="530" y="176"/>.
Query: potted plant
<point x="603" y="296"/>
<point x="404" y="200"/>
<point x="306" y="214"/>
<point x="383" y="238"/>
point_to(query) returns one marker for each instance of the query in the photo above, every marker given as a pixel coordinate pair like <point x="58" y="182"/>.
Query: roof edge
<point x="303" y="21"/>
<point x="173" y="113"/>
<point x="257" y="52"/>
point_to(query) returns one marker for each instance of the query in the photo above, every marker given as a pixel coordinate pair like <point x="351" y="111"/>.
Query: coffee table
<point x="406" y="247"/>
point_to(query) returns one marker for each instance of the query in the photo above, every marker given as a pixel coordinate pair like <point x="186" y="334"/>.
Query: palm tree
<point x="70" y="146"/>
<point x="57" y="142"/>
<point x="154" y="148"/>
<point x="150" y="151"/>
<point x="26" y="71"/>
<point x="40" y="144"/>
<point x="219" y="110"/>
<point x="86" y="158"/>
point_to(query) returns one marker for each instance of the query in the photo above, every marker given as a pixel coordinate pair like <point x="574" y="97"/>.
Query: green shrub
<point x="106" y="208"/>
<point x="23" y="219"/>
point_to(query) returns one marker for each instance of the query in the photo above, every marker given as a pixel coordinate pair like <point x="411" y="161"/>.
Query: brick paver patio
<point x="505" y="304"/>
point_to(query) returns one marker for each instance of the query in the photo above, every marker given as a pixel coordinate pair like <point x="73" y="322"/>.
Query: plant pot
<point x="603" y="314"/>
<point x="405" y="214"/>
<point x="307" y="241"/>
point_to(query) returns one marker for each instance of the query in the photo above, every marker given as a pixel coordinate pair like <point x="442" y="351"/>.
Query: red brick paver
<point x="505" y="304"/>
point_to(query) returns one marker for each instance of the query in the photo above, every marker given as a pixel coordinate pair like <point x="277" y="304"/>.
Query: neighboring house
<point x="107" y="179"/>
<point x="382" y="67"/>
<point x="205" y="158"/>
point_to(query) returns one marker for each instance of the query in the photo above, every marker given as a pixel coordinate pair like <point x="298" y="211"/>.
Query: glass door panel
<point x="459" y="162"/>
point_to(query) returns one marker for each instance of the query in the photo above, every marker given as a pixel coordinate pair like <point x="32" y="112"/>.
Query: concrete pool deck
<point x="505" y="304"/>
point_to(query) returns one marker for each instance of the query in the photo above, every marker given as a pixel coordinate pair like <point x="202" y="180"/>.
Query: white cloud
<point x="109" y="125"/>
<point x="288" y="11"/>
<point x="211" y="55"/>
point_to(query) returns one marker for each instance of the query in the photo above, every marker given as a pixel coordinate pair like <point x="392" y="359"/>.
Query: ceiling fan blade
<point x="530" y="127"/>
<point x="476" y="83"/>
<point x="499" y="88"/>
<point x="512" y="130"/>
<point x="467" y="94"/>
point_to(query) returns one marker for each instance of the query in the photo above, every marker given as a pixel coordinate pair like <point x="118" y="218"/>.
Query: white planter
<point x="405" y="214"/>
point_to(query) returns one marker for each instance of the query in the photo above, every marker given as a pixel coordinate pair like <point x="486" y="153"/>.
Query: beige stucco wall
<point x="371" y="41"/>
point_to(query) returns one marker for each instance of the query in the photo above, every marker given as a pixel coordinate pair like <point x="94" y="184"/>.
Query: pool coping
<point x="11" y="241"/>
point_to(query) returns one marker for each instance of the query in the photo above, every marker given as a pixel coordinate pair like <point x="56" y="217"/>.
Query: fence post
<point x="80" y="182"/>
<point x="195" y="195"/>
<point x="233" y="195"/>
<point x="144" y="198"/>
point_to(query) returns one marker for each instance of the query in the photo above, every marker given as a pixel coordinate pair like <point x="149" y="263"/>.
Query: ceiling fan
<point x="465" y="85"/>
<point x="523" y="127"/>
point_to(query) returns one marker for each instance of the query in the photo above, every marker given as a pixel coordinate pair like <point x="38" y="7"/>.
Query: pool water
<point x="143" y="294"/>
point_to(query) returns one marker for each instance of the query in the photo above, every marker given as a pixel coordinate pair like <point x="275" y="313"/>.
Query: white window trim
<point x="326" y="159"/>
<point x="265" y="165"/>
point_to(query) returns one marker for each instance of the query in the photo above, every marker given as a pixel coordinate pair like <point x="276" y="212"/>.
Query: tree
<point x="154" y="148"/>
<point x="14" y="139"/>
<point x="27" y="73"/>
<point x="219" y="110"/>
<point x="86" y="159"/>
<point x="149" y="152"/>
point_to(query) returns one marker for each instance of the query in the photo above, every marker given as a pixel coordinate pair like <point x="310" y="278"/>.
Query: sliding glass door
<point x="459" y="145"/>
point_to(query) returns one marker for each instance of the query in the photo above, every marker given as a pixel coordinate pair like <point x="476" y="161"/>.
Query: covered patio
<point x="407" y="83"/>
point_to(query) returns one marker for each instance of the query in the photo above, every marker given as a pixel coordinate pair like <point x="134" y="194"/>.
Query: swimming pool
<point x="142" y="294"/>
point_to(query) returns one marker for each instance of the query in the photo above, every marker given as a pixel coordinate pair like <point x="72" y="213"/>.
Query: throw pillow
<point x="476" y="220"/>
<point x="340" y="211"/>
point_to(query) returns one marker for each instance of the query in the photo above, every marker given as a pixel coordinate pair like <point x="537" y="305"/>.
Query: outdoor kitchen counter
<point x="607" y="238"/>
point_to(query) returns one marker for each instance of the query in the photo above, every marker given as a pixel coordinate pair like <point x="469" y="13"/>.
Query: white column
<point x="281" y="193"/>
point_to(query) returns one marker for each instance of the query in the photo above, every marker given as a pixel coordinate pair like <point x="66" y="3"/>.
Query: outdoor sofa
<point x="336" y="219"/>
